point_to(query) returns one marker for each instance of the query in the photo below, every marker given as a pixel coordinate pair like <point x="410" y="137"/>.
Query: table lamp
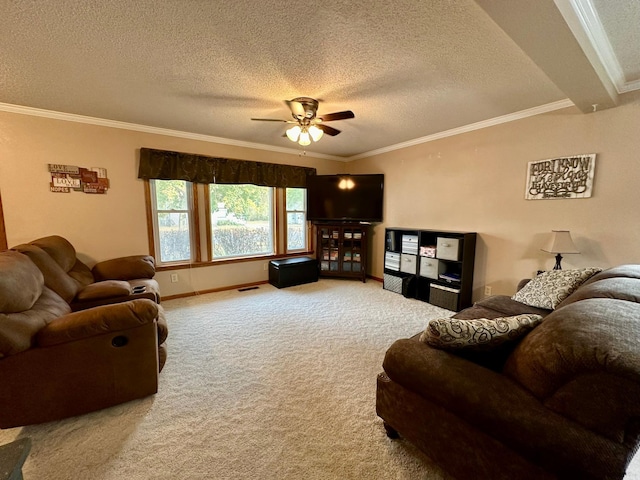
<point x="560" y="243"/>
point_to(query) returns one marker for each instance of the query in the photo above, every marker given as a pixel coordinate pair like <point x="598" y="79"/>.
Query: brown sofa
<point x="563" y="402"/>
<point x="57" y="363"/>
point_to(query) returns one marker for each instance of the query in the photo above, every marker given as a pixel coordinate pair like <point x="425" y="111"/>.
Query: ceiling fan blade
<point x="270" y="120"/>
<point x="328" y="130"/>
<point x="296" y="108"/>
<point x="329" y="117"/>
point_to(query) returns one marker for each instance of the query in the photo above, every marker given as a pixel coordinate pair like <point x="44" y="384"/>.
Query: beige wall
<point x="470" y="182"/>
<point x="475" y="182"/>
<point x="111" y="225"/>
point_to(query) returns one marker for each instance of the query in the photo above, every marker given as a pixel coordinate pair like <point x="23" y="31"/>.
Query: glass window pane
<point x="296" y="231"/>
<point x="241" y="220"/>
<point x="174" y="238"/>
<point x="171" y="195"/>
<point x="295" y="198"/>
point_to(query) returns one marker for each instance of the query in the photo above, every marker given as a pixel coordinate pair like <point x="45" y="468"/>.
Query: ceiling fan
<point x="307" y="125"/>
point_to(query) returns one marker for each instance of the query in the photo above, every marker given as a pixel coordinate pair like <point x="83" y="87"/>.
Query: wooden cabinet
<point x="430" y="265"/>
<point x="342" y="250"/>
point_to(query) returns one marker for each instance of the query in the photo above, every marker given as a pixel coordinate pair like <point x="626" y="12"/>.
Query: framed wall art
<point x="563" y="177"/>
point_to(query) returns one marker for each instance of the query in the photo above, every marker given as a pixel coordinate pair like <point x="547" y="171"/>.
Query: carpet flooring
<point x="261" y="384"/>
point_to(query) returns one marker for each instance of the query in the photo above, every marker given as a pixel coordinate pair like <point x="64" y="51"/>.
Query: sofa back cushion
<point x="18" y="330"/>
<point x="55" y="277"/>
<point x="628" y="271"/>
<point x="593" y="335"/>
<point x="20" y="282"/>
<point x="58" y="248"/>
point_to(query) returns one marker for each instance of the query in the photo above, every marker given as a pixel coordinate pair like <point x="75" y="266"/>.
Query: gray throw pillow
<point x="550" y="288"/>
<point x="478" y="334"/>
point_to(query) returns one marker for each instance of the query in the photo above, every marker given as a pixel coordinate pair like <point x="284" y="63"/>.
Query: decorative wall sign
<point x="65" y="178"/>
<point x="564" y="177"/>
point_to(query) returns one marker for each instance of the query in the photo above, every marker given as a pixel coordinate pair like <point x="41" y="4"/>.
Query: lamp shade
<point x="315" y="133"/>
<point x="293" y="133"/>
<point x="560" y="242"/>
<point x="304" y="138"/>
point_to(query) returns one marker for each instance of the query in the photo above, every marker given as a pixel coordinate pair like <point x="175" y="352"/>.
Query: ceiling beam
<point x="556" y="46"/>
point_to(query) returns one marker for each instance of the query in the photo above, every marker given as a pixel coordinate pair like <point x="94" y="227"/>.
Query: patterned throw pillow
<point x="548" y="289"/>
<point x="479" y="334"/>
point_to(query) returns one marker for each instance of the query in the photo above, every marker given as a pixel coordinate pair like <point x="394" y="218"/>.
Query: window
<point x="296" y="207"/>
<point x="241" y="220"/>
<point x="172" y="221"/>
<point x="238" y="221"/>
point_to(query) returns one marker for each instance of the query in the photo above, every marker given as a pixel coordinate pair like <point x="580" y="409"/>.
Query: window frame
<point x="305" y="224"/>
<point x="192" y="212"/>
<point x="201" y="236"/>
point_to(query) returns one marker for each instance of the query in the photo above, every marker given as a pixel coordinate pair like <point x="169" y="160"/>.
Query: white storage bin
<point x="431" y="268"/>
<point x="392" y="261"/>
<point x="410" y="244"/>
<point x="448" y="248"/>
<point x="409" y="263"/>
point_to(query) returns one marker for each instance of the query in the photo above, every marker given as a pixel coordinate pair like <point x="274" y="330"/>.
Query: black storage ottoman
<point x="293" y="271"/>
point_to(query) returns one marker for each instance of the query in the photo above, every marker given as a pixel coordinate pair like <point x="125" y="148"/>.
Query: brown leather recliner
<point x="55" y="363"/>
<point x="111" y="281"/>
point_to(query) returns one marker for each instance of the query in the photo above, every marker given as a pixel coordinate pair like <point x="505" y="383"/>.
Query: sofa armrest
<point x="522" y="283"/>
<point x="125" y="268"/>
<point x="97" y="321"/>
<point x="495" y="404"/>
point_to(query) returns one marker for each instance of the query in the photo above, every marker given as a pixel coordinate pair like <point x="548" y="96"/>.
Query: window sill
<point x="227" y="261"/>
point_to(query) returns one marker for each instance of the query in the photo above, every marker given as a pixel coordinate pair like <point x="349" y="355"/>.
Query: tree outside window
<point x="241" y="220"/>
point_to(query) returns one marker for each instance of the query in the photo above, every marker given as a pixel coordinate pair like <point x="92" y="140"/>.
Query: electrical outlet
<point x="174" y="278"/>
<point x="487" y="290"/>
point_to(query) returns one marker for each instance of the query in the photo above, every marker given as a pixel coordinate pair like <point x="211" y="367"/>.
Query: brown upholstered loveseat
<point x="563" y="402"/>
<point x="55" y="362"/>
<point x="111" y="281"/>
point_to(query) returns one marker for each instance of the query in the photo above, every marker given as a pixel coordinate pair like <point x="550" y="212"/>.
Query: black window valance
<point x="166" y="165"/>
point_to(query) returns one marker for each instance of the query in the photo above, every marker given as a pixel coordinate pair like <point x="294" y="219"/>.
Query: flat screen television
<point x="348" y="198"/>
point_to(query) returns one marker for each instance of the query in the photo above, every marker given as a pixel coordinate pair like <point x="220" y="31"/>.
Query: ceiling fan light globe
<point x="315" y="132"/>
<point x="304" y="139"/>
<point x="293" y="133"/>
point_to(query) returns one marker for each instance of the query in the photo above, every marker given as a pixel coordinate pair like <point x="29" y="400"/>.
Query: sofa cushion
<point x="55" y="277"/>
<point x="58" y="248"/>
<point x="626" y="271"/>
<point x="550" y="288"/>
<point x="478" y="334"/>
<point x="594" y="335"/>
<point x="81" y="274"/>
<point x="20" y="282"/>
<point x="610" y="287"/>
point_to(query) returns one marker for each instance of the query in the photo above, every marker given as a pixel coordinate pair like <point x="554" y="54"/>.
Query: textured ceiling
<point x="407" y="69"/>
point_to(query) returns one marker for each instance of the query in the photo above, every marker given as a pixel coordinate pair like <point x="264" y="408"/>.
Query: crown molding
<point x="71" y="117"/>
<point x="549" y="107"/>
<point x="585" y="13"/>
